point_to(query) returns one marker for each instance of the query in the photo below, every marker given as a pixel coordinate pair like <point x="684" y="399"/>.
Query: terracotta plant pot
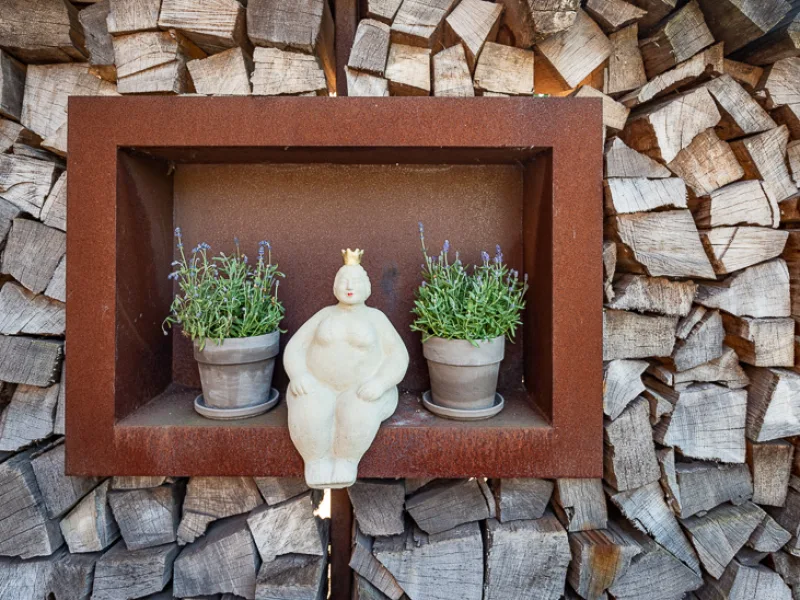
<point x="464" y="376"/>
<point x="238" y="372"/>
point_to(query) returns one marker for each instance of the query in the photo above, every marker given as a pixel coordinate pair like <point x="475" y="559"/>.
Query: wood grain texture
<point x="625" y="65"/>
<point x="26" y="182"/>
<point x="700" y="336"/>
<point x="364" y="84"/>
<point x="631" y="335"/>
<point x="282" y="72"/>
<point x="210" y="498"/>
<point x="446" y="504"/>
<point x="421" y="22"/>
<point x="378" y="506"/>
<point x="214" y="25"/>
<point x="614" y="114"/>
<point x="90" y="525"/>
<point x="41" y="31"/>
<point x="739" y="203"/>
<point x="771" y="465"/>
<point x="735" y="248"/>
<point x="613" y="15"/>
<point x="580" y="504"/>
<point x="762" y="157"/>
<point x="367" y="566"/>
<point x="758" y="291"/>
<point x="278" y="489"/>
<point x="122" y="573"/>
<point x="629" y="459"/>
<point x="577" y="51"/>
<point x="29" y="417"/>
<point x="622" y="383"/>
<point x="636" y="194"/>
<point x="223" y="74"/>
<point x="12" y="86"/>
<point x="22" y="312"/>
<point x="471" y="24"/>
<point x="737" y="22"/>
<point x="737" y="580"/>
<point x="724" y="370"/>
<point x="621" y="161"/>
<point x="772" y="403"/>
<point x="128" y="16"/>
<point x="451" y="76"/>
<point x="99" y="45"/>
<point x="30" y="361"/>
<point x="531" y="21"/>
<point x="707" y="164"/>
<point x="370" y="47"/>
<point x="288" y="528"/>
<point x="761" y="342"/>
<point x="653" y="295"/>
<point x="60" y="492"/>
<point x="147" y="517"/>
<point x="408" y="70"/>
<point x="599" y="558"/>
<point x="506" y="70"/>
<point x="518" y="499"/>
<point x="293" y="576"/>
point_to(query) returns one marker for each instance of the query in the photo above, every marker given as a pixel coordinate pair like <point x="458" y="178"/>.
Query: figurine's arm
<point x="294" y="356"/>
<point x="395" y="362"/>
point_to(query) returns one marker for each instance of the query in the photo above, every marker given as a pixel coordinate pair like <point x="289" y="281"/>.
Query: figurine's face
<point x="351" y="285"/>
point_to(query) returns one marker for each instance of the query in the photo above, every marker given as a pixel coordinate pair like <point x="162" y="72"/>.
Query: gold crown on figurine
<point x="352" y="257"/>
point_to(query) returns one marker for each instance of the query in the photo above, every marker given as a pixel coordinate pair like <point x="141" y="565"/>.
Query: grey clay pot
<point x="464" y="376"/>
<point x="238" y="372"/>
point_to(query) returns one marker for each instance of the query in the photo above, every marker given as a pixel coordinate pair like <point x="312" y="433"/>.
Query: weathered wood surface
<point x="742" y="114"/>
<point x="740" y="203"/>
<point x="762" y="157"/>
<point x="282" y="72"/>
<point x="653" y="295"/>
<point x="214" y="25"/>
<point x="448" y="503"/>
<point x="223" y="74"/>
<point x="621" y="161"/>
<point x="625" y="65"/>
<point x="622" y="383"/>
<point x="707" y="164"/>
<point x="26" y="182"/>
<point x="531" y="21"/>
<point x="577" y="51"/>
<point x="768" y="536"/>
<point x="147" y="517"/>
<point x="629" y="457"/>
<point x="518" y="499"/>
<point x="773" y="402"/>
<point x="42" y="31"/>
<point x="758" y="291"/>
<point x="378" y="506"/>
<point x="383" y="10"/>
<point x="423" y="564"/>
<point x="29" y="417"/>
<point x="275" y="490"/>
<point x="771" y="465"/>
<point x="12" y="86"/>
<point x="677" y="39"/>
<point x="210" y="498"/>
<point x="421" y="23"/>
<point x="288" y="528"/>
<point x="599" y="558"/>
<point x="370" y="47"/>
<point x="408" y="70"/>
<point x="60" y="492"/>
<point x="734" y="248"/>
<point x="367" y="566"/>
<point x="779" y="83"/>
<point x="635" y="194"/>
<point x="30" y="361"/>
<point x="90" y="526"/>
<point x="747" y="75"/>
<point x="631" y="335"/>
<point x="54" y="209"/>
<point x="293" y="576"/>
<point x="364" y="84"/>
<point x="136" y="483"/>
<point x="761" y="342"/>
<point x="125" y="16"/>
<point x="580" y="504"/>
<point x="700" y="335"/>
<point x="451" y="76"/>
<point x="613" y="15"/>
<point x="737" y="23"/>
<point x="505" y="70"/>
<point x="471" y="24"/>
<point x="22" y="312"/>
<point x="738" y="580"/>
<point x="99" y="45"/>
<point x="788" y="515"/>
<point x="724" y="370"/>
<point x="122" y="573"/>
<point x="32" y="253"/>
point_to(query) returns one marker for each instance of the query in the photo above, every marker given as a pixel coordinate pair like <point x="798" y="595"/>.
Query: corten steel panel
<point x="121" y="202"/>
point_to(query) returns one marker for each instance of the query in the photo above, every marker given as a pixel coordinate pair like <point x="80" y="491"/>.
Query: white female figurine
<point x="344" y="365"/>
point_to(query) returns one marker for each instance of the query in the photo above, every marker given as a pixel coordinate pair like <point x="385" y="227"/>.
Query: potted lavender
<point x="465" y="315"/>
<point x="229" y="308"/>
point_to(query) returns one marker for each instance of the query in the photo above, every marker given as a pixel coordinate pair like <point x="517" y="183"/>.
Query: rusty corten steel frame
<point x="122" y="203"/>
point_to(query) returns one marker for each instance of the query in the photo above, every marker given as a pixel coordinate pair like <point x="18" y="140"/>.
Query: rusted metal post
<point x="341" y="540"/>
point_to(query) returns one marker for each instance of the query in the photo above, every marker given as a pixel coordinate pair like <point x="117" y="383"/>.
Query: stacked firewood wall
<point x="701" y="490"/>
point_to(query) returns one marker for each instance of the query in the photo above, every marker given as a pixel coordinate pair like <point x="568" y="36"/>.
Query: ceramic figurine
<point x="344" y="365"/>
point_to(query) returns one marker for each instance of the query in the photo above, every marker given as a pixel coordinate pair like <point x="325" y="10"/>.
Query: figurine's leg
<point x="311" y="425"/>
<point x="357" y="423"/>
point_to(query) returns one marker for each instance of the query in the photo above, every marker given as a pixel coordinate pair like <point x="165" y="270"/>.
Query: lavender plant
<point x="224" y="296"/>
<point x="462" y="303"/>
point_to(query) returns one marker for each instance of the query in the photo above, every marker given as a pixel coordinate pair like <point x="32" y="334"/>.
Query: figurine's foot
<point x="344" y="473"/>
<point x="319" y="473"/>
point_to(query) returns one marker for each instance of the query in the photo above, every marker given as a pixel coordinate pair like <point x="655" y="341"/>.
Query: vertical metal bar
<point x="341" y="544"/>
<point x="346" y="21"/>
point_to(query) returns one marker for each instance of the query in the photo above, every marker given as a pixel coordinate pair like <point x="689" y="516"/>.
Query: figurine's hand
<point x="371" y="390"/>
<point x="303" y="385"/>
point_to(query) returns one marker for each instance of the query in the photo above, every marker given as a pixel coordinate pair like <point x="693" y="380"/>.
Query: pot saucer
<point x="227" y="414"/>
<point x="463" y="414"/>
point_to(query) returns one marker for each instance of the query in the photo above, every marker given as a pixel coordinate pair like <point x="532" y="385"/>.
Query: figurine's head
<point x="351" y="285"/>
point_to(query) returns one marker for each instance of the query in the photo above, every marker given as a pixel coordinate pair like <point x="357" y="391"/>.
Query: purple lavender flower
<point x="485" y="256"/>
<point x="177" y="232"/>
<point x="498" y="258"/>
<point x="174" y="275"/>
<point x="446" y="246"/>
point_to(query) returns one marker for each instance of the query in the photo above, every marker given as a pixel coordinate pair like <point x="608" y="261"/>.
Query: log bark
<point x="471" y="24"/>
<point x="762" y="157"/>
<point x="408" y="70"/>
<point x="90" y="526"/>
<point x="421" y="23"/>
<point x="761" y="342"/>
<point x="631" y="335"/>
<point x="214" y="25"/>
<point x="629" y="457"/>
<point x="735" y="248"/>
<point x="758" y="291"/>
<point x="22" y="312"/>
<point x="505" y="70"/>
<point x="772" y="402"/>
<point x="288" y="528"/>
<point x="29" y="417"/>
<point x="740" y="203"/>
<point x="451" y="76"/>
<point x="122" y="573"/>
<point x="622" y="383"/>
<point x="211" y="498"/>
<point x="147" y="517"/>
<point x="223" y="74"/>
<point x="30" y="361"/>
<point x="449" y="503"/>
<point x="580" y="504"/>
<point x="771" y="465"/>
<point x="519" y="499"/>
<point x="625" y="65"/>
<point x="378" y="506"/>
<point x="42" y="31"/>
<point x="60" y="492"/>
<point x="747" y="75"/>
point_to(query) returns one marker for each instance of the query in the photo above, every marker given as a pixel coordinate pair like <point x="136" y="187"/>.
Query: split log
<point x="99" y="45"/>
<point x="599" y="558"/>
<point x="622" y="161"/>
<point x="768" y="536"/>
<point x="47" y="90"/>
<point x="59" y="426"/>
<point x="278" y="489"/>
<point x="653" y="295"/>
<point x="719" y="535"/>
<point x="724" y="370"/>
<point x="793" y="157"/>
<point x="421" y="23"/>
<point x="8" y="212"/>
<point x="25" y="530"/>
<point x="223" y="74"/>
<point x="791" y="254"/>
<point x="737" y="23"/>
<point x="771" y="464"/>
<point x="761" y="342"/>
<point x="609" y="268"/>
<point x="30" y="361"/>
<point x="122" y="573"/>
<point x="223" y="561"/>
<point x="613" y="15"/>
<point x="383" y="10"/>
<point x="54" y="209"/>
<point x="740" y="203"/>
<point x="544" y="548"/>
<point x="60" y="492"/>
<point x="370" y="47"/>
<point x="629" y="457"/>
<point x="758" y="291"/>
<point x="136" y="483"/>
<point x="677" y="39"/>
<point x="147" y="517"/>
<point x="451" y="76"/>
<point x="580" y="504"/>
<point x="26" y="182"/>
<point x="26" y="313"/>
<point x="29" y="416"/>
<point x="519" y="499"/>
<point x="782" y="42"/>
<point x="12" y="86"/>
<point x="530" y="21"/>
<point x="215" y="26"/>
<point x="301" y="26"/>
<point x="59" y="575"/>
<point x="211" y="498"/>
<point x="663" y="129"/>
<point x="656" y="11"/>
<point x="697" y="487"/>
<point x="281" y="72"/>
<point x="408" y="70"/>
<point x="747" y="75"/>
<point x="288" y="528"/>
<point x="662" y="244"/>
<point x="787" y="566"/>
<point x="71" y="576"/>
<point x="631" y="335"/>
<point x="32" y="253"/>
<point x="735" y="248"/>
<point x="622" y="383"/>
<point x="789" y="115"/>
<point x="449" y="503"/>
<point x="14" y="135"/>
<point x="707" y="421"/>
<point x="645" y="508"/>
<point x="577" y="51"/>
<point x="625" y="65"/>
<point x="364" y="84"/>
<point x="707" y="164"/>
<point x="154" y="62"/>
<point x="762" y="157"/>
<point x="364" y="590"/>
<point x="90" y="526"/>
<point x="378" y="506"/>
<point x="772" y="404"/>
<point x="700" y="67"/>
<point x="740" y="581"/>
<point x="505" y="69"/>
<point x="42" y="31"/>
<point x="788" y="515"/>
<point x="655" y="573"/>
<point x="367" y="566"/>
<point x="293" y="576"/>
<point x="780" y="83"/>
<point x="615" y="114"/>
<point x="128" y="17"/>
<point x="741" y="114"/>
<point x="473" y="23"/>
<point x="700" y="335"/>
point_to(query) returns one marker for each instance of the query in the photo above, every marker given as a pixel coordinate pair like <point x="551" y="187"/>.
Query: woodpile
<point x="700" y="495"/>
